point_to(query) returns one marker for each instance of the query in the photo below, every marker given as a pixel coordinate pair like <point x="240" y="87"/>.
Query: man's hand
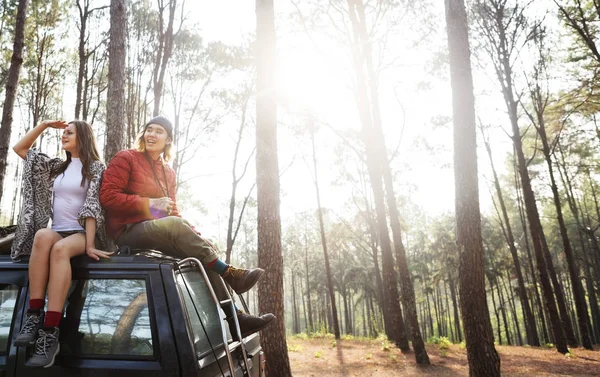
<point x="96" y="254"/>
<point x="161" y="206"/>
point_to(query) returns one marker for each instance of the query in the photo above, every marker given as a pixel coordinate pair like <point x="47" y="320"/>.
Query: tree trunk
<point x="429" y="314"/>
<point x="120" y="343"/>
<point x="539" y="243"/>
<point x="522" y="216"/>
<point x="482" y="356"/>
<point x="583" y="318"/>
<point x="448" y="319"/>
<point x="83" y="17"/>
<point x="545" y="266"/>
<point x="436" y="309"/>
<point x="502" y="303"/>
<point x="270" y="289"/>
<point x="235" y="180"/>
<point x="12" y="83"/>
<point x="495" y="307"/>
<point x="511" y="300"/>
<point x="455" y="307"/>
<point x="582" y="231"/>
<point x="530" y="328"/>
<point x="295" y="313"/>
<point x="375" y="256"/>
<point x="310" y="326"/>
<point x="394" y="324"/>
<point x="163" y="52"/>
<point x="330" y="288"/>
<point x="364" y="317"/>
<point x="115" y="109"/>
<point x="347" y="318"/>
<point x="406" y="286"/>
<point x="304" y="312"/>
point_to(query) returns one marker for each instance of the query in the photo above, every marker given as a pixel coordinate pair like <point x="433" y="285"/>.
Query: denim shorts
<point x="67" y="233"/>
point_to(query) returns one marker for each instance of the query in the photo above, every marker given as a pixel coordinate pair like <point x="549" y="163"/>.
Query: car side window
<point x="8" y="298"/>
<point x="205" y="318"/>
<point x="108" y="317"/>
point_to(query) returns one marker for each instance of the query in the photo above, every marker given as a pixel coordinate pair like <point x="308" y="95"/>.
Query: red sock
<point x="52" y="319"/>
<point x="210" y="264"/>
<point x="36" y="304"/>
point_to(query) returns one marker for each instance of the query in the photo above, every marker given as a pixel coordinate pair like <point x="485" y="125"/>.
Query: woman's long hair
<point x="86" y="148"/>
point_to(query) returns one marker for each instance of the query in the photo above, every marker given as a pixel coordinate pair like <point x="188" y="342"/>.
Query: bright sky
<point x="314" y="80"/>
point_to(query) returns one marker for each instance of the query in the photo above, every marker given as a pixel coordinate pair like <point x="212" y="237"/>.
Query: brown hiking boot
<point x="240" y="279"/>
<point x="249" y="324"/>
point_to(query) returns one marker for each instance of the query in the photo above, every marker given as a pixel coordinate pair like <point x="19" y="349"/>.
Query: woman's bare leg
<point x="39" y="262"/>
<point x="60" y="269"/>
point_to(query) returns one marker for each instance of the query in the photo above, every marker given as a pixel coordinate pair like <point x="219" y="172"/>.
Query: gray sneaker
<point x="46" y="349"/>
<point x="29" y="331"/>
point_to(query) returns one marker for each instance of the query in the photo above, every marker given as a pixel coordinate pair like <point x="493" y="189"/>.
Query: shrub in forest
<point x="433" y="340"/>
<point x="386" y="346"/>
<point x="444" y="343"/>
<point x="301" y="336"/>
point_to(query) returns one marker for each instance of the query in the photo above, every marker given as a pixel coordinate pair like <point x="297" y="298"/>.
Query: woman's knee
<point x="43" y="236"/>
<point x="43" y="240"/>
<point x="59" y="252"/>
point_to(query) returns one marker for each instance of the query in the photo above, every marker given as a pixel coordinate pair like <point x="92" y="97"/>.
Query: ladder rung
<point x="228" y="301"/>
<point x="233" y="345"/>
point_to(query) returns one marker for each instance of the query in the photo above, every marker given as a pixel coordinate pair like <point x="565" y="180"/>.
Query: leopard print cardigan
<point x="36" y="209"/>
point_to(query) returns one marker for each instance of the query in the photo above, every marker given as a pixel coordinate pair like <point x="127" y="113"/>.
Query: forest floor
<point x="323" y="357"/>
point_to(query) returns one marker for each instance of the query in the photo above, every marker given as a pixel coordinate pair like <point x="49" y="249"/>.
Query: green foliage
<point x="301" y="336"/>
<point x="548" y="345"/>
<point x="369" y="356"/>
<point x="386" y="346"/>
<point x="295" y="348"/>
<point x="444" y="343"/>
<point x="333" y="344"/>
<point x="319" y="354"/>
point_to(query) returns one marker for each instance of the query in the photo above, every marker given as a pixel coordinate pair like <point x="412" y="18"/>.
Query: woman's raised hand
<point x="58" y="124"/>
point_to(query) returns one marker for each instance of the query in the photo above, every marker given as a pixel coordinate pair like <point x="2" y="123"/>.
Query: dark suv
<point x="134" y="315"/>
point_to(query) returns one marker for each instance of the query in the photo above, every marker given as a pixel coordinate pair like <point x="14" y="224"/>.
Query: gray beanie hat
<point x="161" y="121"/>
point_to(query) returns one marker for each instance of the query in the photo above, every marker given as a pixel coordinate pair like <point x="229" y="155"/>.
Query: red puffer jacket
<point x="127" y="186"/>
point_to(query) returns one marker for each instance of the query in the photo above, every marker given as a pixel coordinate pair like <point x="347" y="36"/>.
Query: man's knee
<point x="170" y="225"/>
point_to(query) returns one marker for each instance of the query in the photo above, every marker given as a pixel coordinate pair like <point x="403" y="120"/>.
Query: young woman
<point x="138" y="193"/>
<point x="66" y="191"/>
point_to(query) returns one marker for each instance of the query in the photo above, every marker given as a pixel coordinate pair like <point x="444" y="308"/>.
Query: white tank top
<point x="68" y="198"/>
